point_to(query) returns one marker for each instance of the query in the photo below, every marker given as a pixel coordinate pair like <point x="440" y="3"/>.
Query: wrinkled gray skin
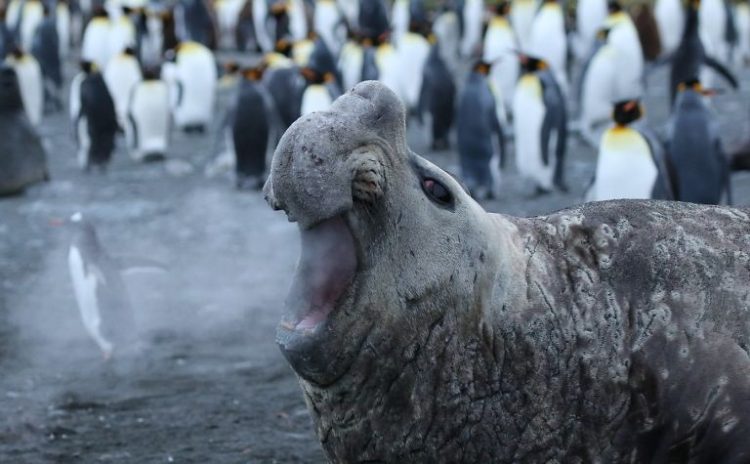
<point x="611" y="332"/>
<point x="22" y="158"/>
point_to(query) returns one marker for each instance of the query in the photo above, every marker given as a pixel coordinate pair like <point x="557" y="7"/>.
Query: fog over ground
<point x="206" y="382"/>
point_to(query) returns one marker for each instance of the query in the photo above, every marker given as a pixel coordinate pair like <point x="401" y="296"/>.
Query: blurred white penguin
<point x="670" y="18"/>
<point x="32" y="14"/>
<point x="121" y="74"/>
<point x="95" y="44"/>
<point x="590" y="16"/>
<point x="473" y="19"/>
<point x="522" y="14"/>
<point x="100" y="292"/>
<point x="148" y="120"/>
<point x="548" y="40"/>
<point x="192" y="77"/>
<point x="500" y="49"/>
<point x="327" y="22"/>
<point x="30" y="80"/>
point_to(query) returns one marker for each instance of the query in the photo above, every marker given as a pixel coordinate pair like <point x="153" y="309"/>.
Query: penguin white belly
<point x="12" y="13"/>
<point x="548" y="41"/>
<point x="473" y="16"/>
<point x="227" y="14"/>
<point x="301" y="52"/>
<point x="326" y="21"/>
<point x="522" y="14"/>
<point x="599" y="88"/>
<point x="500" y="50"/>
<point x="350" y="9"/>
<point x="95" y="47"/>
<point x="413" y="52"/>
<point x="590" y="16"/>
<point x="528" y="116"/>
<point x="74" y="102"/>
<point x="624" y="37"/>
<point x="712" y="21"/>
<point x="742" y="18"/>
<point x="121" y="36"/>
<point x="316" y="98"/>
<point x="447" y="30"/>
<point x="387" y="62"/>
<point x="85" y="288"/>
<point x="625" y="167"/>
<point x="29" y="75"/>
<point x="297" y="19"/>
<point x="147" y="129"/>
<point x="350" y="63"/>
<point x="33" y="14"/>
<point x="260" y="14"/>
<point x="670" y="19"/>
<point x="121" y="75"/>
<point x="62" y="23"/>
<point x="196" y="75"/>
<point x="399" y="19"/>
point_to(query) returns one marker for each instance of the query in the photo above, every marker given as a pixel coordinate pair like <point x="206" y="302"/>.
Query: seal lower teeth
<point x="325" y="269"/>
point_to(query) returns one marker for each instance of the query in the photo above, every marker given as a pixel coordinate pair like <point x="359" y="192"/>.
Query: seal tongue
<point x="325" y="269"/>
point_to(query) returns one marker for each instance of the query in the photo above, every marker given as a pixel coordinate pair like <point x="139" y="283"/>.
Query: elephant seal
<point x="424" y="329"/>
<point x="22" y="157"/>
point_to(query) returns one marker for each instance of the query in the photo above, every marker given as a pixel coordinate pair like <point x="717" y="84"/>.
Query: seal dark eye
<point x="437" y="191"/>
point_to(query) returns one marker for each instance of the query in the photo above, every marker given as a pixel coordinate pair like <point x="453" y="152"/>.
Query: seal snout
<point x="326" y="269"/>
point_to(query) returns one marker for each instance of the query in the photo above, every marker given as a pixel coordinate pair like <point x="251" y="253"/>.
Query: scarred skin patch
<point x="611" y="332"/>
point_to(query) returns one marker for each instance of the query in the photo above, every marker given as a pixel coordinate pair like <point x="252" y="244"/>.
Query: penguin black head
<point x="16" y="52"/>
<point x="88" y="67"/>
<point x="3" y="13"/>
<point x="126" y="10"/>
<point x="313" y="76"/>
<point x="100" y="12"/>
<point x="284" y="47"/>
<point x="696" y="86"/>
<point x="254" y="74"/>
<point x="613" y="6"/>
<point x="129" y="51"/>
<point x="502" y="8"/>
<point x="278" y="9"/>
<point x="481" y="67"/>
<point x="531" y="64"/>
<point x="627" y="111"/>
<point x="151" y="73"/>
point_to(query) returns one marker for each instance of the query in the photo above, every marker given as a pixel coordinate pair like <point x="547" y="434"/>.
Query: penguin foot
<point x="541" y="191"/>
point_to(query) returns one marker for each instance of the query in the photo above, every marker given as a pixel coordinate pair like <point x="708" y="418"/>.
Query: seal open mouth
<point x="325" y="270"/>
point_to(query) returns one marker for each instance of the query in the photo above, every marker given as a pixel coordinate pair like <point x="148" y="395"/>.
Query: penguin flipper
<point x="721" y="69"/>
<point x="545" y="135"/>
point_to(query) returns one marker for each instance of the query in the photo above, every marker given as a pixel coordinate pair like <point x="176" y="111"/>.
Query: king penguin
<point x="32" y="14"/>
<point x="500" y="48"/>
<point x="46" y="50"/>
<point x="99" y="290"/>
<point x="122" y="34"/>
<point x="121" y="74"/>
<point x="670" y="18"/>
<point x="631" y="162"/>
<point x="590" y="14"/>
<point x="249" y="124"/>
<point x="597" y="87"/>
<point x="540" y="125"/>
<point x="351" y="61"/>
<point x="548" y="40"/>
<point x="438" y="98"/>
<point x="473" y="16"/>
<point x="31" y="81"/>
<point x="96" y="122"/>
<point x="412" y="52"/>
<point x="477" y="125"/>
<point x="701" y="168"/>
<point x="329" y="25"/>
<point x="95" y="44"/>
<point x="148" y="120"/>
<point x="623" y="35"/>
<point x="742" y="15"/>
<point x="522" y="13"/>
<point x="193" y="86"/>
<point x="691" y="55"/>
<point x="322" y="87"/>
<point x="63" y="22"/>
